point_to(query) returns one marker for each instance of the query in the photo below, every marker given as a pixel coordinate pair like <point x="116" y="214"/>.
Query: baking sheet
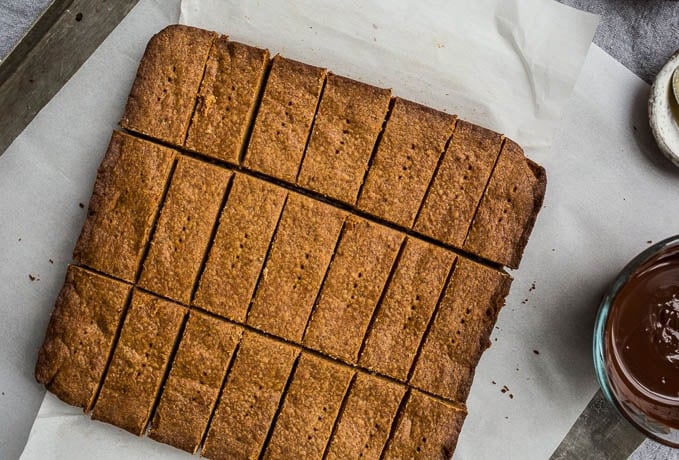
<point x="50" y="168"/>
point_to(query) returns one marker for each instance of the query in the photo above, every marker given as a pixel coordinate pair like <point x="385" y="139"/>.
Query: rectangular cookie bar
<point x="310" y="408"/>
<point x="414" y="138"/>
<point x="127" y="192"/>
<point x="253" y="391"/>
<point x="509" y="207"/>
<point x="234" y="74"/>
<point x="184" y="229"/>
<point x="80" y="336"/>
<point x="284" y="118"/>
<point x="191" y="390"/>
<point x="349" y="119"/>
<point x="460" y="331"/>
<point x="163" y="95"/>
<point x="453" y="196"/>
<point x="409" y="301"/>
<point x="427" y="429"/>
<point x="299" y="257"/>
<point x="237" y="255"/>
<point x="355" y="280"/>
<point x="139" y="361"/>
<point x="363" y="426"/>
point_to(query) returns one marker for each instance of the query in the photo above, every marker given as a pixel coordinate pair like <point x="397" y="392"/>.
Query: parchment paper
<point x="535" y="48"/>
<point x="506" y="64"/>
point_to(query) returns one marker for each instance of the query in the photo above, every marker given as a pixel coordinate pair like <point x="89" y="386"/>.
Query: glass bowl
<point x="643" y="420"/>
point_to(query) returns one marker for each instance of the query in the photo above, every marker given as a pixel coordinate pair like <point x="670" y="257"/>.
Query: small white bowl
<point x="663" y="111"/>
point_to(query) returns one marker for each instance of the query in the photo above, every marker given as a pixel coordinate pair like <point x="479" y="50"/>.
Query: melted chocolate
<point x="642" y="339"/>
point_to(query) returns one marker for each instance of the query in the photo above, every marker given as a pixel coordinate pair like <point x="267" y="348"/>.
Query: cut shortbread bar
<point x="137" y="368"/>
<point x="427" y="429"/>
<point x="299" y="258"/>
<point x="508" y="209"/>
<point x="127" y="193"/>
<point x="349" y="118"/>
<point x="192" y="388"/>
<point x="184" y="229"/>
<point x="450" y="204"/>
<point x="407" y="306"/>
<point x="163" y="96"/>
<point x="356" y="278"/>
<point x="363" y="426"/>
<point x="414" y="138"/>
<point x="245" y="229"/>
<point x="80" y="336"/>
<point x="281" y="130"/>
<point x="311" y="406"/>
<point x="250" y="398"/>
<point x="460" y="331"/>
<point x="233" y="76"/>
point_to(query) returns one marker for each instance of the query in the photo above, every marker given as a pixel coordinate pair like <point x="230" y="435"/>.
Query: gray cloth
<point x="16" y="17"/>
<point x="641" y="34"/>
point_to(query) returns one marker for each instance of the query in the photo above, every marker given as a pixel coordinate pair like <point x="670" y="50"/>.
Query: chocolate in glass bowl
<point x="636" y="343"/>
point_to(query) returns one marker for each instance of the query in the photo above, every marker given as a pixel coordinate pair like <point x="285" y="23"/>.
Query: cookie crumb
<point x="511" y="396"/>
<point x="79" y="17"/>
<point x="33" y="277"/>
<point x="649" y="242"/>
<point x="81" y="205"/>
<point x="51" y="261"/>
<point x="536" y="352"/>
